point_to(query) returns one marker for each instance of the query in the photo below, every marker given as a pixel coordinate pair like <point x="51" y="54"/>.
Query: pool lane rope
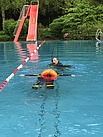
<point x="19" y="67"/>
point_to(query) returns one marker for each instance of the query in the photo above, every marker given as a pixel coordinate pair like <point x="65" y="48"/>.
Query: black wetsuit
<point x="60" y="65"/>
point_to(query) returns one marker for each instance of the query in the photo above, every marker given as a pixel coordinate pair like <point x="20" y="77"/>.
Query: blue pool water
<point x="74" y="108"/>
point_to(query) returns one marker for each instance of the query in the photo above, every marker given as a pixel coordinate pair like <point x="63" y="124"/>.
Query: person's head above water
<point x="55" y="60"/>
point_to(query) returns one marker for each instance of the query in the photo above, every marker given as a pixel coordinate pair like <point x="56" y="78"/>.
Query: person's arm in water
<point x="57" y="64"/>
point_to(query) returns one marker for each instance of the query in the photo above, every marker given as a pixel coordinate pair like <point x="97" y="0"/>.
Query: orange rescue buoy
<point x="49" y="74"/>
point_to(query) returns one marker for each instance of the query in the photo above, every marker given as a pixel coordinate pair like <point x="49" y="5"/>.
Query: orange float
<point x="49" y="74"/>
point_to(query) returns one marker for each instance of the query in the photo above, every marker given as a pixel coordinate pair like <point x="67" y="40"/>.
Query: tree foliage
<point x="80" y="22"/>
<point x="50" y="10"/>
<point x="9" y="4"/>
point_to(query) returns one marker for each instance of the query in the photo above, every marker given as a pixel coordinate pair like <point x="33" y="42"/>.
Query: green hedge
<point x="4" y="37"/>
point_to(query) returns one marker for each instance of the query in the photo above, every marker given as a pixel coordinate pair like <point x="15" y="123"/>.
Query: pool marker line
<point x="19" y="67"/>
<point x="22" y="75"/>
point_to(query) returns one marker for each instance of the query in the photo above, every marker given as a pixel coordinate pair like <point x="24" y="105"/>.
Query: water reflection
<point x="99" y="47"/>
<point x="20" y="50"/>
<point x="31" y="48"/>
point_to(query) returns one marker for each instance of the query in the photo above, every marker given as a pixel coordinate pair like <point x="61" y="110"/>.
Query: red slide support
<point x="32" y="13"/>
<point x="19" y="29"/>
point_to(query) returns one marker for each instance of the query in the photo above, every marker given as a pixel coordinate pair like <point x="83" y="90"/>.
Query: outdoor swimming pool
<point x="74" y="108"/>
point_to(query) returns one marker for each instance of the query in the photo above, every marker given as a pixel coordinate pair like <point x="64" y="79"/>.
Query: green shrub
<point x="56" y="29"/>
<point x="4" y="37"/>
<point x="46" y="34"/>
<point x="9" y="26"/>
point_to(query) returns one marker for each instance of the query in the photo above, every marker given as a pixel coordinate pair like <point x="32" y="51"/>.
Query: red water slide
<point x="32" y="30"/>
